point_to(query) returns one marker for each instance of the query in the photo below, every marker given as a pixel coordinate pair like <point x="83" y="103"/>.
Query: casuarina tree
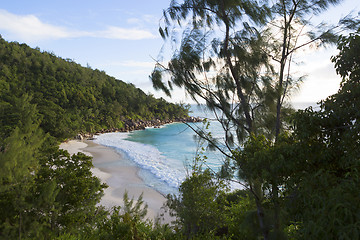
<point x="236" y="56"/>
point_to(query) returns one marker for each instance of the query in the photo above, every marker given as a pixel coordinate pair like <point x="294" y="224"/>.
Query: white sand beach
<point x="112" y="169"/>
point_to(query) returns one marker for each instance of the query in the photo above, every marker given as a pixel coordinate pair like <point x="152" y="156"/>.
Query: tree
<point x="199" y="208"/>
<point x="20" y="141"/>
<point x="327" y="181"/>
<point x="71" y="99"/>
<point x="126" y="222"/>
<point x="236" y="56"/>
<point x="319" y="184"/>
<point x="242" y="218"/>
<point x="66" y="192"/>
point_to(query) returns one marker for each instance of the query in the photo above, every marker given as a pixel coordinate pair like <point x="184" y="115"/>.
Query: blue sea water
<point x="164" y="155"/>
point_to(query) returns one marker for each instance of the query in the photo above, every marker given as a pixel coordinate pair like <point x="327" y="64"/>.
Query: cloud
<point x="322" y="79"/>
<point x="147" y="18"/>
<point x="135" y="64"/>
<point x="150" y="18"/>
<point x="134" y="21"/>
<point x="31" y="28"/>
<point x="124" y="33"/>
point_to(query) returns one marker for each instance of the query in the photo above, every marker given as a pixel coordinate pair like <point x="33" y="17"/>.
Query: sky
<point x="121" y="38"/>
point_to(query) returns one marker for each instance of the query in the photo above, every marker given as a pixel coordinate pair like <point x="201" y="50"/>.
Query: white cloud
<point x="132" y="63"/>
<point x="31" y="28"/>
<point x="144" y="21"/>
<point x="124" y="33"/>
<point x="134" y="21"/>
<point x="322" y="79"/>
<point x="147" y="18"/>
<point x="150" y="18"/>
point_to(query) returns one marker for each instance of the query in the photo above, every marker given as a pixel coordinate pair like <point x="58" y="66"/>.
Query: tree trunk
<point x="275" y="192"/>
<point x="260" y="211"/>
<point x="243" y="102"/>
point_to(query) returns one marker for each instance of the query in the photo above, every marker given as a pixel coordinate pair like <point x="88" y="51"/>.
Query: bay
<point x="165" y="155"/>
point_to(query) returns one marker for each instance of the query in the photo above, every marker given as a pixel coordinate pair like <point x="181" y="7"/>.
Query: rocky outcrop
<point x="132" y="125"/>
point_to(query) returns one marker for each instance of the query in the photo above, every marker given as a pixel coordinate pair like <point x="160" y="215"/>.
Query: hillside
<point x="71" y="98"/>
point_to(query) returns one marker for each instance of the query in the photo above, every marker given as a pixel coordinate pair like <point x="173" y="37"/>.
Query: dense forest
<point x="70" y="98"/>
<point x="47" y="194"/>
<point x="299" y="169"/>
<point x="44" y="192"/>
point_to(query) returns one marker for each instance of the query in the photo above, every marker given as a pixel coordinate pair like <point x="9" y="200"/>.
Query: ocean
<point x="165" y="155"/>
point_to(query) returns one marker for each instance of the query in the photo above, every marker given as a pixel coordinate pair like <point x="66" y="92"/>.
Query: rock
<point x="132" y="125"/>
<point x="79" y="137"/>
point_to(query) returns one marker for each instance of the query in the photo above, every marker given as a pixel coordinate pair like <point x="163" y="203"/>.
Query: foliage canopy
<point x="70" y="98"/>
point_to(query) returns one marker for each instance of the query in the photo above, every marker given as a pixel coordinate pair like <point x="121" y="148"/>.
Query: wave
<point x="145" y="156"/>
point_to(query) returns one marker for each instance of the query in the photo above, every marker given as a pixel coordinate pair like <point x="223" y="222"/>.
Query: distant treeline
<point x="71" y="98"/>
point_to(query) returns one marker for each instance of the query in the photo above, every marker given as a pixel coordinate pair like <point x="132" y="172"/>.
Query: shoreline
<point x="134" y="125"/>
<point x="115" y="170"/>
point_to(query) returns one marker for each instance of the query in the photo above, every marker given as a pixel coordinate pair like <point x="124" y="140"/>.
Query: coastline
<point x="132" y="125"/>
<point x="114" y="169"/>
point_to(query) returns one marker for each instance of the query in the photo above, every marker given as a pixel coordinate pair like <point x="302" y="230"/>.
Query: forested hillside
<point x="299" y="171"/>
<point x="71" y="98"/>
<point x="44" y="192"/>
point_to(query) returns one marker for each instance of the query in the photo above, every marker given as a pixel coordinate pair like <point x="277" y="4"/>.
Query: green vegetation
<point x="44" y="192"/>
<point x="315" y="163"/>
<point x="237" y="56"/>
<point x="300" y="169"/>
<point x="69" y="98"/>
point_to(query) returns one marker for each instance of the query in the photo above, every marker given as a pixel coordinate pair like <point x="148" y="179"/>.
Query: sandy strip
<point x="113" y="169"/>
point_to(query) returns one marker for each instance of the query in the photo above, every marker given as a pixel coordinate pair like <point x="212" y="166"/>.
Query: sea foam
<point x="147" y="157"/>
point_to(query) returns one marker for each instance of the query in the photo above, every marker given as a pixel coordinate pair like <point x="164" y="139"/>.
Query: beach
<point x="114" y="170"/>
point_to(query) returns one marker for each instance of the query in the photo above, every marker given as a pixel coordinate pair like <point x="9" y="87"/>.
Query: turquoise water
<point x="175" y="141"/>
<point x="165" y="155"/>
